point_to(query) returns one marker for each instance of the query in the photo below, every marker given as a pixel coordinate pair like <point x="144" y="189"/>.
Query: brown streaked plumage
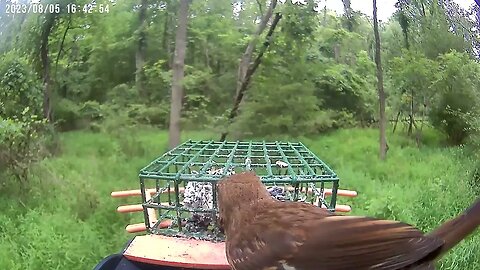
<point x="265" y="234"/>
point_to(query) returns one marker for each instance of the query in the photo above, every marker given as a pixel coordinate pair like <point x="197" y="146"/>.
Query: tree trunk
<point x="165" y="36"/>
<point x="411" y="116"/>
<point x="62" y="43"/>
<point x="325" y="16"/>
<point x="404" y="24"/>
<point x="45" y="61"/>
<point x="336" y="52"/>
<point x="396" y="121"/>
<point x="381" y="92"/>
<point x="141" y="49"/>
<point x="348" y="14"/>
<point x="178" y="74"/>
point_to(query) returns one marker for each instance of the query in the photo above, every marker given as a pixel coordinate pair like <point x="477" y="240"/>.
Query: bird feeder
<point x="179" y="205"/>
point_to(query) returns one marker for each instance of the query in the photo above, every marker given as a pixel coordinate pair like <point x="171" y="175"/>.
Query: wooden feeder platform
<point x="177" y="252"/>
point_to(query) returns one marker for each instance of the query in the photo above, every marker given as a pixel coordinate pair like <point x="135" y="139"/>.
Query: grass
<point x="67" y="220"/>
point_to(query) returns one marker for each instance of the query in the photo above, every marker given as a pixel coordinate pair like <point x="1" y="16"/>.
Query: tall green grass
<point x="67" y="220"/>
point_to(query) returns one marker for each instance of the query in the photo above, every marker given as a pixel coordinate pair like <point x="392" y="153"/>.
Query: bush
<point x="412" y="76"/>
<point x="122" y="94"/>
<point x="21" y="144"/>
<point x="92" y="111"/>
<point x="456" y="95"/>
<point x="341" y="89"/>
<point x="19" y="87"/>
<point x="195" y="113"/>
<point x="66" y="114"/>
<point x="472" y="147"/>
<point x="150" y="115"/>
<point x="445" y="115"/>
<point x="279" y="110"/>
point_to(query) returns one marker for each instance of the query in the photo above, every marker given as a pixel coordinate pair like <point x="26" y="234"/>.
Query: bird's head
<point x="236" y="193"/>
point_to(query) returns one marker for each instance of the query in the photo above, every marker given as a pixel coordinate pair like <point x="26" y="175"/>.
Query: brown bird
<point x="265" y="234"/>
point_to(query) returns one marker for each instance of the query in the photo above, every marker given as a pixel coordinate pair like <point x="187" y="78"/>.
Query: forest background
<point x="90" y="97"/>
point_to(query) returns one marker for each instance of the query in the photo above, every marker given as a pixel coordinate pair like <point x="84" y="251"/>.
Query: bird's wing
<point x="263" y="244"/>
<point x="258" y="250"/>
<point x="303" y="239"/>
<point x="348" y="242"/>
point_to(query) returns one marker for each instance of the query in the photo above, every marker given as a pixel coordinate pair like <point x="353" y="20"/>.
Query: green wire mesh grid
<point x="184" y="181"/>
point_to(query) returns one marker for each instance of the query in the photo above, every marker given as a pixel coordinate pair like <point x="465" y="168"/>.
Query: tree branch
<point x="260" y="7"/>
<point x="60" y="50"/>
<point x="249" y="73"/>
<point x="247" y="56"/>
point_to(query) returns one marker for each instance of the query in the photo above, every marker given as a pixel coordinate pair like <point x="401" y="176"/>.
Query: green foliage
<point x="21" y="144"/>
<point x="155" y="115"/>
<point x="266" y="112"/>
<point x="339" y="44"/>
<point x="433" y="46"/>
<point x="66" y="114"/>
<point x="70" y="115"/>
<point x="19" y="87"/>
<point x="299" y="22"/>
<point x="67" y="223"/>
<point x="92" y="59"/>
<point x="412" y="77"/>
<point x="393" y="42"/>
<point x="91" y="111"/>
<point x="456" y="86"/>
<point x="158" y="80"/>
<point x="342" y="90"/>
<point x="122" y="95"/>
<point x="196" y="115"/>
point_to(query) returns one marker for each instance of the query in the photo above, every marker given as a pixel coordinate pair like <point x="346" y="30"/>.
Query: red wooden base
<point x="177" y="252"/>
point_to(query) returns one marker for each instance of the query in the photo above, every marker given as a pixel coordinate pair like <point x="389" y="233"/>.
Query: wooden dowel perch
<point x="140" y="227"/>
<point x="137" y="192"/>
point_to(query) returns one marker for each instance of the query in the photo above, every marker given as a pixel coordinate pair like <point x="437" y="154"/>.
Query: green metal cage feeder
<point x="179" y="187"/>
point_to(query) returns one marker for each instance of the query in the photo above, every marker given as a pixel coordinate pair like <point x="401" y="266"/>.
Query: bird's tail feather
<point x="455" y="230"/>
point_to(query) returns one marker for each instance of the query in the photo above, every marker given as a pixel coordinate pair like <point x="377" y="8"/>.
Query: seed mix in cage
<point x="199" y="195"/>
<point x="281" y="164"/>
<point x="277" y="193"/>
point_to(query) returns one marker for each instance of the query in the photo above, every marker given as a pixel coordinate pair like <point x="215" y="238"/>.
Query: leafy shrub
<point x="156" y="115"/>
<point x="24" y="137"/>
<point x="92" y="111"/>
<point x="343" y="119"/>
<point x="158" y="80"/>
<point x="472" y="147"/>
<point x="66" y="114"/>
<point x="70" y="115"/>
<point x="21" y="144"/>
<point x="341" y="89"/>
<point x="195" y="113"/>
<point x="412" y="76"/>
<point x="19" y="87"/>
<point x="445" y="115"/>
<point x="324" y="121"/>
<point x="279" y="110"/>
<point x="122" y="94"/>
<point x="456" y="95"/>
